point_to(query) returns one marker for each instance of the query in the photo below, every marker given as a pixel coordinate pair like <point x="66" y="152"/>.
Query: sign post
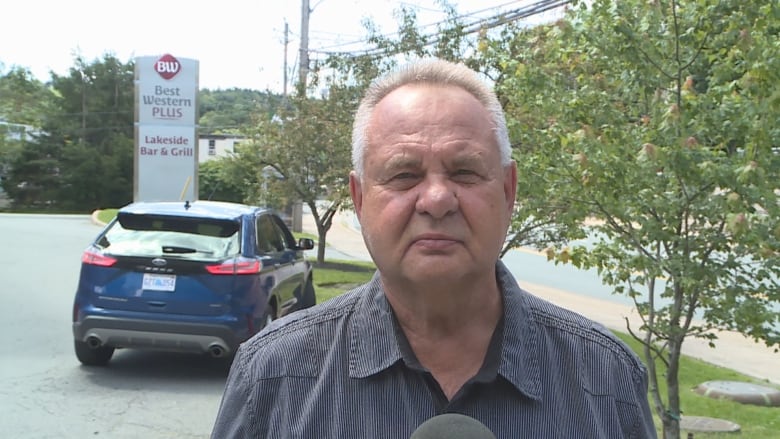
<point x="166" y="130"/>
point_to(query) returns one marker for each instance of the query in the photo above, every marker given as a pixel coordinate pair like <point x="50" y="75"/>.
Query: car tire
<point x="308" y="298"/>
<point x="93" y="356"/>
<point x="269" y="315"/>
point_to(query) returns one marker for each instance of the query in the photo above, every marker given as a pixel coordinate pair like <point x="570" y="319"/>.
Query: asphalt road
<point x="45" y="392"/>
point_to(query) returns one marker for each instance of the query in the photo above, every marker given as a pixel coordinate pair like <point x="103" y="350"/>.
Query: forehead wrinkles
<point x="435" y="107"/>
<point x="423" y="130"/>
<point x="418" y="119"/>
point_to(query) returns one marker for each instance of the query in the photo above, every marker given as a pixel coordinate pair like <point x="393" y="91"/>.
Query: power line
<point x="434" y="25"/>
<point x="469" y="28"/>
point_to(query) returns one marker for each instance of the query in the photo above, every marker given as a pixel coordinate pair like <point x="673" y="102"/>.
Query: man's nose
<point x="437" y="197"/>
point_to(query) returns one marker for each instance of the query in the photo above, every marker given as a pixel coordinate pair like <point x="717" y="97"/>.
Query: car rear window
<point x="176" y="237"/>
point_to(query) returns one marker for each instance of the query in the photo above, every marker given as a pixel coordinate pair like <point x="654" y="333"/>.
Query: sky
<point x="238" y="43"/>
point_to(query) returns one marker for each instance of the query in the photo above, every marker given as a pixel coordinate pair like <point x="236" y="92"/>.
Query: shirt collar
<point x="374" y="346"/>
<point x="520" y="351"/>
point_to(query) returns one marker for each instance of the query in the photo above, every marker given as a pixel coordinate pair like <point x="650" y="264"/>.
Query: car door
<point x="295" y="265"/>
<point x="276" y="262"/>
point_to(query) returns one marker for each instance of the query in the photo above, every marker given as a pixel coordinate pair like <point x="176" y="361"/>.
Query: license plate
<point x="159" y="282"/>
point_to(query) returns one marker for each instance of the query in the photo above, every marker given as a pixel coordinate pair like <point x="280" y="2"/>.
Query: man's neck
<point x="449" y="333"/>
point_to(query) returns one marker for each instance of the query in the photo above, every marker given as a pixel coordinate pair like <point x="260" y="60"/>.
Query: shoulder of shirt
<point x="594" y="334"/>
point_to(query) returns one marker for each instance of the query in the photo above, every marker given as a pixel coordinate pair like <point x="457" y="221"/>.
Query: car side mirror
<point x="305" y="244"/>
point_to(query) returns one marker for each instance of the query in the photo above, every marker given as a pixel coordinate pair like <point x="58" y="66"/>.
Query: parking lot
<point x="46" y="393"/>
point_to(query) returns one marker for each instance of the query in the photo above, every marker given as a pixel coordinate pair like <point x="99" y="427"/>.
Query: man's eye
<point x="466" y="175"/>
<point x="401" y="180"/>
<point x="403" y="176"/>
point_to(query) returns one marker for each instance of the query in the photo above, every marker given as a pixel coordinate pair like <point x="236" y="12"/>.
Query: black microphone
<point x="452" y="426"/>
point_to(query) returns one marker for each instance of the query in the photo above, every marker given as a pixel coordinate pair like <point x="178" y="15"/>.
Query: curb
<point x="703" y="424"/>
<point x="95" y="220"/>
<point x="741" y="392"/>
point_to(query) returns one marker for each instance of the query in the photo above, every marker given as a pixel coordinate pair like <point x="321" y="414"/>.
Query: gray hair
<point x="428" y="71"/>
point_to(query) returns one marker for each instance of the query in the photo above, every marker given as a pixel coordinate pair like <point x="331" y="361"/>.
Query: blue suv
<point x="188" y="277"/>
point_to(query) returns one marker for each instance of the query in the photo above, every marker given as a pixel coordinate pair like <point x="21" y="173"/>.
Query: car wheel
<point x="308" y="298"/>
<point x="93" y="356"/>
<point x="270" y="314"/>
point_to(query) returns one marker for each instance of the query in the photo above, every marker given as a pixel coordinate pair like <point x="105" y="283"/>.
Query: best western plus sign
<point x="166" y="129"/>
<point x="166" y="103"/>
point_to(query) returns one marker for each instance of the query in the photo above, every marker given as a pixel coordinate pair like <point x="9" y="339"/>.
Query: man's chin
<point x="444" y="270"/>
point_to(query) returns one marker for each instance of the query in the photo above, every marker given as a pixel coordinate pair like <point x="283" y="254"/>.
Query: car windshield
<point x="185" y="238"/>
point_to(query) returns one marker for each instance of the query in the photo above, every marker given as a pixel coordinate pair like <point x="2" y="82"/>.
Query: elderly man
<point x="442" y="327"/>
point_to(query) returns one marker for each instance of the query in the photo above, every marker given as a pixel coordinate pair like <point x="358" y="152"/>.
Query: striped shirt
<point x="344" y="370"/>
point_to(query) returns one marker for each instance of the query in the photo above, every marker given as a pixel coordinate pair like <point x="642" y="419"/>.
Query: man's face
<point x="434" y="202"/>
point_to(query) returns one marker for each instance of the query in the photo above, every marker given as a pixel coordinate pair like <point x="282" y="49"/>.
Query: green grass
<point x="305" y="235"/>
<point x="755" y="422"/>
<point x="332" y="278"/>
<point x="336" y="277"/>
<point x="106" y="215"/>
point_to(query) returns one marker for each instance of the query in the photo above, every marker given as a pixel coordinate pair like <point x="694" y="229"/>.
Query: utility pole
<point x="303" y="68"/>
<point x="303" y="72"/>
<point x="286" y="41"/>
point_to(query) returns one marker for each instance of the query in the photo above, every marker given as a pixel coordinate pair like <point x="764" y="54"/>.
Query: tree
<point x="32" y="177"/>
<point x="31" y="170"/>
<point x="657" y="120"/>
<point x="300" y="153"/>
<point x="95" y="127"/>
<point x="24" y="101"/>
<point x="229" y="111"/>
<point x="217" y="183"/>
<point x="82" y="158"/>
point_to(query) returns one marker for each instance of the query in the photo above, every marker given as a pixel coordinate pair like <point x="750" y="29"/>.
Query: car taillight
<point x="92" y="256"/>
<point x="236" y="266"/>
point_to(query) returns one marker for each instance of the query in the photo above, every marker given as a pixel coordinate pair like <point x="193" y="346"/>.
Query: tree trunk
<point x="671" y="419"/>
<point x="323" y="225"/>
<point x="321" y="244"/>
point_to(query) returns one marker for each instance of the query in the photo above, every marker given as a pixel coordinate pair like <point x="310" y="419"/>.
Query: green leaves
<point x="659" y="120"/>
<point x="81" y="156"/>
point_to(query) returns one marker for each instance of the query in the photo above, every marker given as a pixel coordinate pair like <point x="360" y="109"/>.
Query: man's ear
<point x="510" y="186"/>
<point x="356" y="192"/>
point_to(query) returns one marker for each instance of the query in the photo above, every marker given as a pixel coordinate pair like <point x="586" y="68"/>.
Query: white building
<point x="17" y="131"/>
<point x="211" y="146"/>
